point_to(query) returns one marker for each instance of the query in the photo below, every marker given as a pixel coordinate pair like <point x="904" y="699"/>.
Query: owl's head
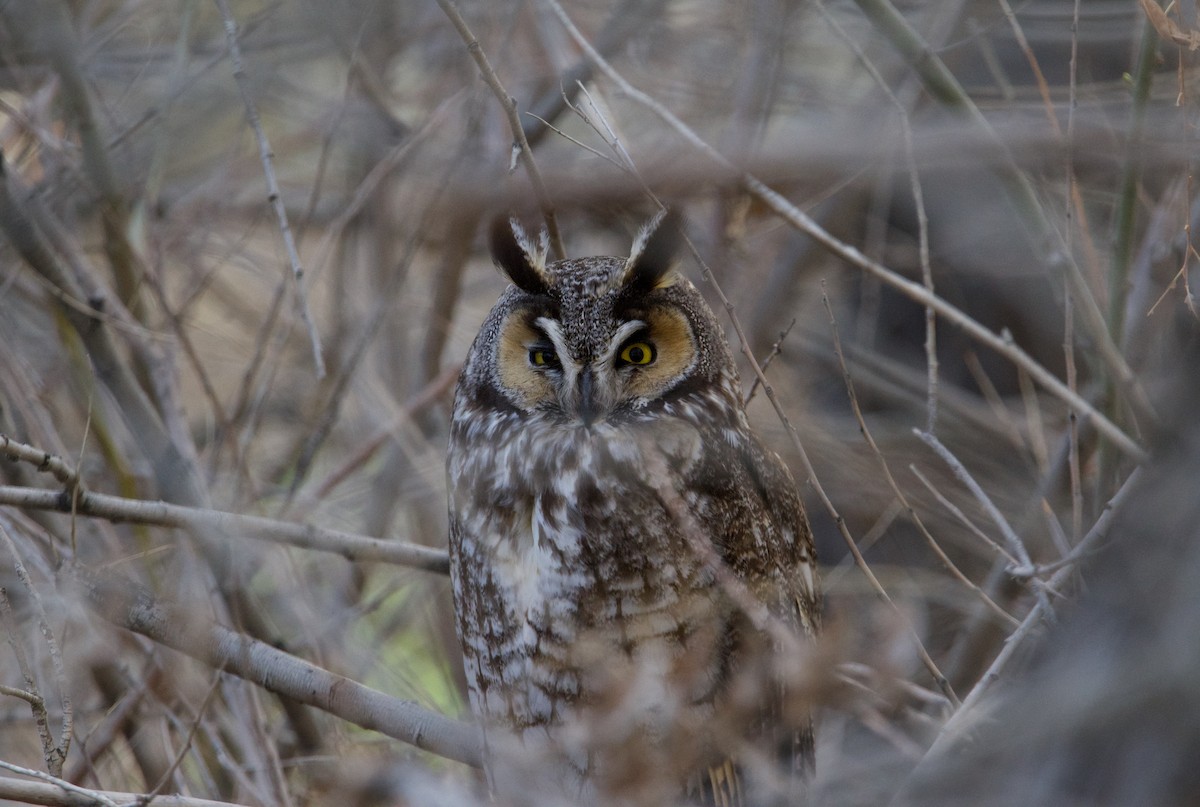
<point x="598" y="339"/>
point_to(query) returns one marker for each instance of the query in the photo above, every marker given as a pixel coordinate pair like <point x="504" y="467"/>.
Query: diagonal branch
<point x="126" y="605"/>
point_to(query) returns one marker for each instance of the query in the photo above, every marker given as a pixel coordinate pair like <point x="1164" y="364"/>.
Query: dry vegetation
<point x="970" y="227"/>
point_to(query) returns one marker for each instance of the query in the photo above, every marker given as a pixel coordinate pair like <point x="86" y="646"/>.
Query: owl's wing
<point x="794" y="553"/>
<point x="779" y="564"/>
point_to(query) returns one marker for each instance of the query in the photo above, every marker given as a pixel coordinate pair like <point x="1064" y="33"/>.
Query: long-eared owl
<point x="610" y="512"/>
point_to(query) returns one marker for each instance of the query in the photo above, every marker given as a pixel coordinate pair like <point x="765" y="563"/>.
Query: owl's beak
<point x="589" y="407"/>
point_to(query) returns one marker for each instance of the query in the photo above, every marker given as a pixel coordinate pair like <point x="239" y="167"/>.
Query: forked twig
<point x="891" y="480"/>
<point x="954" y="727"/>
<point x="776" y="349"/>
<point x="1015" y="544"/>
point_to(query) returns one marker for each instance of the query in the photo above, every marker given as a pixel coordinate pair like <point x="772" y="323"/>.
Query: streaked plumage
<point x="591" y="628"/>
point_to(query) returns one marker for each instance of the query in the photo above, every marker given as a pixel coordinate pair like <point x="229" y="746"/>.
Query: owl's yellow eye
<point x="639" y="353"/>
<point x="543" y="357"/>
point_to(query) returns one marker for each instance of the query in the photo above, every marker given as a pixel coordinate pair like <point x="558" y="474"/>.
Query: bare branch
<point x="348" y="545"/>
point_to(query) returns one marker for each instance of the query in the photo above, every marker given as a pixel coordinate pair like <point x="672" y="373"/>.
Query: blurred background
<point x="1030" y="163"/>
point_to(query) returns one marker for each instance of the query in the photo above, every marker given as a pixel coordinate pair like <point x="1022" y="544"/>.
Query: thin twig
<point x="1033" y="418"/>
<point x="520" y="142"/>
<point x="187" y="742"/>
<point x="37" y="703"/>
<point x="115" y="508"/>
<point x="776" y="349"/>
<point x="356" y="459"/>
<point x="56" y="754"/>
<point x="1127" y="200"/>
<point x="570" y="139"/>
<point x="267" y="156"/>
<point x="962" y="517"/>
<point x="992" y="396"/>
<point x="1010" y="535"/>
<point x="1015" y="544"/>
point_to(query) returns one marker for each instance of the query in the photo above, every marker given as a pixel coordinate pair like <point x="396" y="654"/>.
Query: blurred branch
<point x="918" y="197"/>
<point x="940" y="83"/>
<point x="273" y="195"/>
<point x="520" y="142"/>
<point x="419" y="403"/>
<point x="306" y="536"/>
<point x="126" y="605"/>
<point x="339" y="385"/>
<point x="914" y="291"/>
<point x="61" y="793"/>
<point x="943" y="86"/>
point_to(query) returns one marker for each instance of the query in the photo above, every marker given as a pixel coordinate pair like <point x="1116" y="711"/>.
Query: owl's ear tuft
<point x="518" y="257"/>
<point x="654" y="252"/>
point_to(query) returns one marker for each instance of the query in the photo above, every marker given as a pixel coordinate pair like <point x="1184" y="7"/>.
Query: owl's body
<point x="581" y="593"/>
